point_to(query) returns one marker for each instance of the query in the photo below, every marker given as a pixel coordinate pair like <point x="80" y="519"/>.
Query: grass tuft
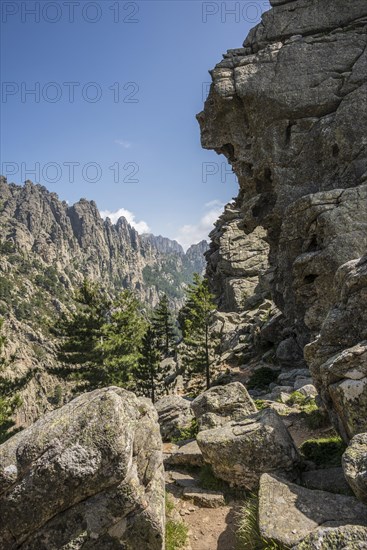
<point x="314" y="417"/>
<point x="261" y="404"/>
<point x="176" y="535"/>
<point x="248" y="534"/>
<point x="176" y="530"/>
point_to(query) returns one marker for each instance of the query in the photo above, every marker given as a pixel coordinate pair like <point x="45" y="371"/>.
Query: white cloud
<point x="123" y="143"/>
<point x="141" y="226"/>
<point x="192" y="234"/>
<point x="215" y="203"/>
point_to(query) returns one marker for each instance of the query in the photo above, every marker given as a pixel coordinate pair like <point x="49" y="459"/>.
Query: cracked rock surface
<point x="289" y="112"/>
<point x="87" y="475"/>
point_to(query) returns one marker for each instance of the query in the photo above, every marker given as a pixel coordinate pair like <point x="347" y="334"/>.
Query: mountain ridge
<point x="47" y="248"/>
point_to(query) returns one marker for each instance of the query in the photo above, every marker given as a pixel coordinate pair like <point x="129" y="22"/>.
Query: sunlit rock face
<point x="289" y="112"/>
<point x="87" y="475"/>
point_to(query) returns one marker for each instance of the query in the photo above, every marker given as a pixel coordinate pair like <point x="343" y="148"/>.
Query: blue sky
<point x="112" y="115"/>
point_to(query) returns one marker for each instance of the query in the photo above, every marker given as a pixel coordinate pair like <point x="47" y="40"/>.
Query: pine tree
<point x="149" y="373"/>
<point x="80" y="333"/>
<point x="9" y="400"/>
<point x="121" y="340"/>
<point x="163" y="327"/>
<point x="195" y="319"/>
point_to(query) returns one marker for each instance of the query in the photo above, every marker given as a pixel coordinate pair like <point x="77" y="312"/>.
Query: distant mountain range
<point x="46" y="249"/>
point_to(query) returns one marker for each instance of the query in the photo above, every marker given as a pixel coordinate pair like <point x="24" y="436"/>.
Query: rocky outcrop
<point x="236" y="262"/>
<point x="222" y="404"/>
<point x="162" y="244"/>
<point x="288" y="514"/>
<point x="174" y="416"/>
<point x="195" y="255"/>
<point x="331" y="480"/>
<point x="338" y="357"/>
<point x="355" y="466"/>
<point x="240" y="452"/>
<point x="87" y="475"/>
<point x="288" y="111"/>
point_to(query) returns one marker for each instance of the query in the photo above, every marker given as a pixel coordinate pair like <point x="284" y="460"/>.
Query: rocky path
<point x="209" y="518"/>
<point x="211" y="528"/>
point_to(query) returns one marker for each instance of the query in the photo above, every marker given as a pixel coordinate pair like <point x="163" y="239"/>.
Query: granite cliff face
<point x="237" y="263"/>
<point x="47" y="248"/>
<point x="289" y="112"/>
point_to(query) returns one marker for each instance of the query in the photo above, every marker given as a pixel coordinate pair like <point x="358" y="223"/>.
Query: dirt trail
<point x="209" y="528"/>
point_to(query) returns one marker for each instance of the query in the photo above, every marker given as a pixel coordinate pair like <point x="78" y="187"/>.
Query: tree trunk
<point x="153" y="386"/>
<point x="207" y="362"/>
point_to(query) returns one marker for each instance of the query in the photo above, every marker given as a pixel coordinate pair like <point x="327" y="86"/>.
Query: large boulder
<point x="86" y="475"/>
<point x="174" y="415"/>
<point x="240" y="452"/>
<point x="222" y="404"/>
<point x="289" y="513"/>
<point x="346" y="537"/>
<point x="355" y="466"/>
<point x="235" y="262"/>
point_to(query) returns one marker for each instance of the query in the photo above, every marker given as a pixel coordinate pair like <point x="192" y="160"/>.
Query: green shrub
<point x="58" y="395"/>
<point x="187" y="433"/>
<point x="169" y="504"/>
<point x="261" y="405"/>
<point x="314" y="417"/>
<point x="7" y="247"/>
<point x="325" y="451"/>
<point x="262" y="377"/>
<point x="6" y="288"/>
<point x="296" y="398"/>
<point x="39" y="352"/>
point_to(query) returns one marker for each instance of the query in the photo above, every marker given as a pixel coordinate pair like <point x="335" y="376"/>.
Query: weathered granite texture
<point x="236" y="262"/>
<point x="174" y="415"/>
<point x="355" y="466"/>
<point x="289" y="514"/>
<point x="241" y="451"/>
<point x="338" y="357"/>
<point x="221" y="404"/>
<point x="88" y="475"/>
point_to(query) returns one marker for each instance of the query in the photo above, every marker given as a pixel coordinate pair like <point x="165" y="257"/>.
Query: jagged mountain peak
<point x="163" y="244"/>
<point x="36" y="221"/>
